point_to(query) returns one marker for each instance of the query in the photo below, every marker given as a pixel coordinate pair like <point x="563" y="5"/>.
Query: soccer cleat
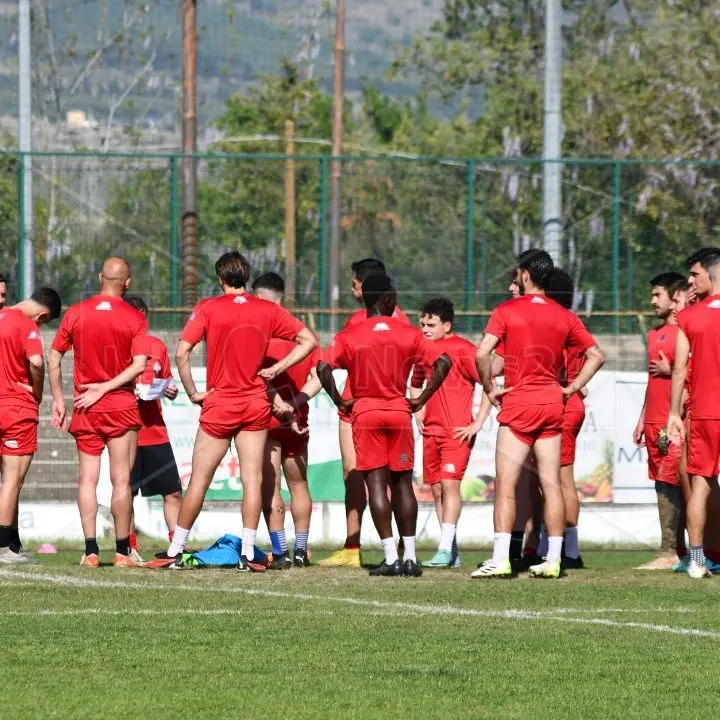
<point x="347" y="557"/>
<point x="10" y="557"/>
<point x="713" y="567"/>
<point x="489" y="569"/>
<point x="280" y="562"/>
<point x="411" y="568"/>
<point x="441" y="559"/>
<point x="127" y="561"/>
<point x="681" y="566"/>
<point x="385" y="570"/>
<point x="662" y="562"/>
<point x="568" y="563"/>
<point x="696" y="572"/>
<point x="247" y="566"/>
<point x="546" y="569"/>
<point x="90" y="561"/>
<point x="301" y="558"/>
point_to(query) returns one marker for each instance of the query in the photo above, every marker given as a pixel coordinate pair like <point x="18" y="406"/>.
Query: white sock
<point x="409" y="543"/>
<point x="554" y="548"/>
<point x="501" y="550"/>
<point x="177" y="545"/>
<point x="447" y="535"/>
<point x="248" y="543"/>
<point x="542" y="542"/>
<point x="390" y="550"/>
<point x="572" y="543"/>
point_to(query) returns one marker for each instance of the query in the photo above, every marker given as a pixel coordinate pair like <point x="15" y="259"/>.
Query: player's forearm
<point x="679" y="376"/>
<point x="327" y="381"/>
<point x="594" y="360"/>
<point x="440" y="369"/>
<point x="483" y="412"/>
<point x="182" y="362"/>
<point x="308" y="391"/>
<point x="484" y="367"/>
<point x="306" y="343"/>
<point x="497" y="365"/>
<point x="128" y="375"/>
<point x="55" y="375"/>
<point x="37" y="378"/>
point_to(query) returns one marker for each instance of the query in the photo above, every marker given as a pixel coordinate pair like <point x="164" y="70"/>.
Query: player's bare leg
<point x="448" y="509"/>
<point x="378" y="482"/>
<point x="251" y="452"/>
<point x="684" y="482"/>
<point x="511" y="454"/>
<point x="701" y="489"/>
<point x="14" y="468"/>
<point x="300" y="505"/>
<point x="437" y="494"/>
<point x="355" y="503"/>
<point x="88" y="477"/>
<point x="171" y="509"/>
<point x="274" y="507"/>
<point x="208" y="453"/>
<point x="524" y="495"/>
<point x="571" y="546"/>
<point x="405" y="509"/>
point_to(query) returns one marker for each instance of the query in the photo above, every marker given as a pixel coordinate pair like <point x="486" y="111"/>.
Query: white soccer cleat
<point x="547" y="569"/>
<point x="490" y="570"/>
<point x="696" y="571"/>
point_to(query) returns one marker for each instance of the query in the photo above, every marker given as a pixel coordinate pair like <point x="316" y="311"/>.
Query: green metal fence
<point x="446" y="226"/>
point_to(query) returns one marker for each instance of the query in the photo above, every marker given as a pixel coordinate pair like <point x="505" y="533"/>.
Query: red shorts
<point x="291" y="444"/>
<point x="661" y="468"/>
<point x="530" y="423"/>
<point x="384" y="438"/>
<point x="572" y="424"/>
<point x="223" y="420"/>
<point x="18" y="430"/>
<point x="92" y="430"/>
<point x="344" y="417"/>
<point x="703" y="447"/>
<point x="444" y="459"/>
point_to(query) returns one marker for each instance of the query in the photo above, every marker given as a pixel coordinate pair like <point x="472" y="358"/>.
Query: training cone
<point x="47" y="549"/>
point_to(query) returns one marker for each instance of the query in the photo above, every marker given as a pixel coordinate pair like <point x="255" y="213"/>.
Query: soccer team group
<point x="264" y="365"/>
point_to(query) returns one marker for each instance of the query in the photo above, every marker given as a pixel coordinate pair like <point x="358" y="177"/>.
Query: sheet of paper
<point x="154" y="390"/>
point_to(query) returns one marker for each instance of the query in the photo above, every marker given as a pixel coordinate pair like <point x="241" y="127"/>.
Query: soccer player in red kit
<point x="379" y="354"/>
<point x="663" y="457"/>
<point x="155" y="470"/>
<point x="699" y="335"/>
<point x="22" y="372"/>
<point x="447" y="423"/>
<point x="109" y="340"/>
<point x="355" y="494"/>
<point x="237" y="328"/>
<point x="285" y="448"/>
<point x="536" y="331"/>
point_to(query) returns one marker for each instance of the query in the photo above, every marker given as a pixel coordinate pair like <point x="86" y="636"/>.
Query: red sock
<point x="712" y="554"/>
<point x="133" y="541"/>
<point x="352" y="545"/>
<point x="170" y="535"/>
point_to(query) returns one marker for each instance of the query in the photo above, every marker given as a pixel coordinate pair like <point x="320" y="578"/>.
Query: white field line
<point x="556" y="615"/>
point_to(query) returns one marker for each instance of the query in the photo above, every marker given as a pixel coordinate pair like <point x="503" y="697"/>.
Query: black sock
<point x="516" y="544"/>
<point x="122" y="546"/>
<point x="15" y="542"/>
<point x="5" y="536"/>
<point x="91" y="546"/>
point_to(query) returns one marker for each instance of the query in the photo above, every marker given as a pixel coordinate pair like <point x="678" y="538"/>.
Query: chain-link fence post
<point x="174" y="240"/>
<point x="469" y="241"/>
<point x="322" y="245"/>
<point x="616" y="231"/>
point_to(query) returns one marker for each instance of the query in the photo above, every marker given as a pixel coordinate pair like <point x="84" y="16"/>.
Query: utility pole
<point x="552" y="145"/>
<point x="290" y="260"/>
<point x="337" y="138"/>
<point x="26" y="260"/>
<point x="189" y="164"/>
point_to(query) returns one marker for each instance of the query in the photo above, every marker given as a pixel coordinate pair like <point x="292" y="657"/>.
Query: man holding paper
<point x="155" y="470"/>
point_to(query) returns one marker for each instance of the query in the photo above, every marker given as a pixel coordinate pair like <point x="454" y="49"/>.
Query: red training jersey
<point x="237" y="330"/>
<point x="451" y="406"/>
<point x="289" y="383"/>
<point x="379" y="354"/>
<point x="153" y="430"/>
<point x="657" y="399"/>
<point x="19" y="341"/>
<point x="105" y="334"/>
<point x="701" y="325"/>
<point x="536" y="331"/>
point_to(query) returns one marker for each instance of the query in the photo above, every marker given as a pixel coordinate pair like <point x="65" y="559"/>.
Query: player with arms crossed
<point x="379" y="354"/>
<point x="22" y="373"/>
<point x="698" y="335"/>
<point x="447" y="423"/>
<point x="109" y="340"/>
<point x="237" y="328"/>
<point x="668" y="298"/>
<point x="355" y="493"/>
<point x="285" y="448"/>
<point x="535" y="331"/>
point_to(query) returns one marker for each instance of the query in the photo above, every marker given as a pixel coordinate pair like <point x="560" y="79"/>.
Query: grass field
<point x="607" y="642"/>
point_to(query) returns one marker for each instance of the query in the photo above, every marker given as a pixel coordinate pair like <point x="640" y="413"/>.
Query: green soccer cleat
<point x="682" y="565"/>
<point x="490" y="570"/>
<point x="441" y="559"/>
<point x="546" y="569"/>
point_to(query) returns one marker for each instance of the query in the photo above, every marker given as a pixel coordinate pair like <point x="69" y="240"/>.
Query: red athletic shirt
<point x="289" y="383"/>
<point x="19" y="341"/>
<point x="657" y="405"/>
<point x="379" y="354"/>
<point x="701" y="325"/>
<point x="237" y="330"/>
<point x="153" y="430"/>
<point x="451" y="406"/>
<point x="105" y="333"/>
<point x="535" y="331"/>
